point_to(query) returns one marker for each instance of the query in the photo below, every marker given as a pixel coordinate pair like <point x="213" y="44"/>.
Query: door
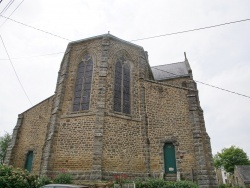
<point x="169" y="159"/>
<point x="29" y="159"/>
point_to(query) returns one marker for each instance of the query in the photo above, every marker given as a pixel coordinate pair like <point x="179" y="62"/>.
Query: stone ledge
<point x="123" y="116"/>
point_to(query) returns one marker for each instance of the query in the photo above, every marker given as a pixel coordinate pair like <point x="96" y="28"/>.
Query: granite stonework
<point x="99" y="143"/>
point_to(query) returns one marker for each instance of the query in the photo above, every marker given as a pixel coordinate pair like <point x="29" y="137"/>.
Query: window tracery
<point x="122" y="86"/>
<point x="83" y="84"/>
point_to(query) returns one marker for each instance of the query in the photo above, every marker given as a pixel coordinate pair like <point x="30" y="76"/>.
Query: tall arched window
<point x="83" y="84"/>
<point x="122" y="86"/>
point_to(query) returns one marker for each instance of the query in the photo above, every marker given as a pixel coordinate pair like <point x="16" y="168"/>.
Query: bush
<point x="160" y="183"/>
<point x="185" y="184"/>
<point x="14" y="177"/>
<point x="63" y="178"/>
<point x="43" y="180"/>
<point x="11" y="177"/>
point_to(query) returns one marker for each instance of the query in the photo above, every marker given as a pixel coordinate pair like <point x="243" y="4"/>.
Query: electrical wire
<point x="15" y="71"/>
<point x="36" y="28"/>
<point x="175" y="33"/>
<point x="33" y="56"/>
<point x="206" y="84"/>
<point x="186" y="31"/>
<point x="6" y="7"/>
<point x="202" y="28"/>
<point x="11" y="13"/>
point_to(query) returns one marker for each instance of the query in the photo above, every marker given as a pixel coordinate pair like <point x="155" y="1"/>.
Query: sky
<point x="218" y="56"/>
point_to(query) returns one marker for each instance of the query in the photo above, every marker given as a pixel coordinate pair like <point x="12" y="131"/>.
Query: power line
<point x="206" y="84"/>
<point x="197" y="29"/>
<point x="7" y="6"/>
<point x="33" y="56"/>
<point x="36" y="28"/>
<point x="175" y="33"/>
<point x="11" y="13"/>
<point x="15" y="72"/>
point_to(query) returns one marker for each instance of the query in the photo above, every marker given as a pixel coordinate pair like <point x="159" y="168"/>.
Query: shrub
<point x="121" y="178"/>
<point x="63" y="178"/>
<point x="43" y="180"/>
<point x="185" y="184"/>
<point x="160" y="183"/>
<point x="14" y="177"/>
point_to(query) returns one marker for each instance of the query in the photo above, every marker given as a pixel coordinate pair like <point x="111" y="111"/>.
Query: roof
<point x="169" y="71"/>
<point x="244" y="171"/>
<point x="105" y="35"/>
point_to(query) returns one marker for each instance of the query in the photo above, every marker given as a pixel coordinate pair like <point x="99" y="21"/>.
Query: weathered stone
<point x="99" y="143"/>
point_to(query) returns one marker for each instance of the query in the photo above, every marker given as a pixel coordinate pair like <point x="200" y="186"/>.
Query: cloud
<point x="218" y="56"/>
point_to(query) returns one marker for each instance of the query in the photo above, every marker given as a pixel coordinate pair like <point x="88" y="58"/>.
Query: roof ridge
<point x="168" y="64"/>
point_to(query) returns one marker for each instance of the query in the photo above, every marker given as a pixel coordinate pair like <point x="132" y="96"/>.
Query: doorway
<point x="29" y="159"/>
<point x="169" y="158"/>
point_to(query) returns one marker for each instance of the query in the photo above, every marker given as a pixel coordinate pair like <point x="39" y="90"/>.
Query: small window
<point x="122" y="86"/>
<point x="29" y="160"/>
<point x="83" y="84"/>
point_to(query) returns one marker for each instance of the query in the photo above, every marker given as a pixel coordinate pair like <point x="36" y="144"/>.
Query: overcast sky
<point x="218" y="56"/>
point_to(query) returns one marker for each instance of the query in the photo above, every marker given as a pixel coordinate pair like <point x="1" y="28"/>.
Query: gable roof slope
<point x="169" y="71"/>
<point x="244" y="171"/>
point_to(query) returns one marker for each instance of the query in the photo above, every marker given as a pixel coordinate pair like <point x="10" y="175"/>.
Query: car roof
<point x="64" y="186"/>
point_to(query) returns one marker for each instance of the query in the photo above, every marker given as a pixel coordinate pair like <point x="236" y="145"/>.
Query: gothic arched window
<point x="83" y="84"/>
<point x="122" y="86"/>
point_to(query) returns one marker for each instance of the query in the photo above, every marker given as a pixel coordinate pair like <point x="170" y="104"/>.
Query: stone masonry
<point x="99" y="143"/>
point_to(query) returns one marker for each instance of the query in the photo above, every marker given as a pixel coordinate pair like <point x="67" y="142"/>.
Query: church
<point x="114" y="114"/>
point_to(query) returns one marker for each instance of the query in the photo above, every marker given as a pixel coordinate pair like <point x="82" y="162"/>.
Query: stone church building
<point x="112" y="113"/>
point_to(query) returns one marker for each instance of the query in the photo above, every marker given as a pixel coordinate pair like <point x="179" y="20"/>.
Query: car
<point x="63" y="186"/>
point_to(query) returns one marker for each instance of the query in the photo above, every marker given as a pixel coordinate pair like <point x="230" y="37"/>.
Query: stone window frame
<point x="169" y="140"/>
<point x="79" y="60"/>
<point x="128" y="60"/>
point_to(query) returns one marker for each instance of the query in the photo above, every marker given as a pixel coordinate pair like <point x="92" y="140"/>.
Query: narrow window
<point x="83" y="84"/>
<point x="29" y="159"/>
<point x="122" y="87"/>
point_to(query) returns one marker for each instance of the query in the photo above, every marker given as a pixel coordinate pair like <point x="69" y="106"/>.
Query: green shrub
<point x="185" y="184"/>
<point x="43" y="180"/>
<point x="63" y="178"/>
<point x="14" y="177"/>
<point x="160" y="183"/>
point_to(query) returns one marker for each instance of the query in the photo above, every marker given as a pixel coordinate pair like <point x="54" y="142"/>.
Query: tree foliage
<point x="4" y="142"/>
<point x="229" y="157"/>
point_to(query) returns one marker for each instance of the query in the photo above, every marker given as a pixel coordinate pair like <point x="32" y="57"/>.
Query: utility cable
<point x="206" y="84"/>
<point x="186" y="31"/>
<point x="11" y="13"/>
<point x="33" y="56"/>
<point x="6" y="7"/>
<point x="15" y="72"/>
<point x="175" y="33"/>
<point x="36" y="28"/>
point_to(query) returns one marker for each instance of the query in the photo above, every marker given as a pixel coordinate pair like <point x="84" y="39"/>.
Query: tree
<point x="229" y="157"/>
<point x="4" y="142"/>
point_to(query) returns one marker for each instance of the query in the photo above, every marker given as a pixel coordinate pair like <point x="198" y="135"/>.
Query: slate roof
<point x="105" y="35"/>
<point x="169" y="71"/>
<point x="244" y="171"/>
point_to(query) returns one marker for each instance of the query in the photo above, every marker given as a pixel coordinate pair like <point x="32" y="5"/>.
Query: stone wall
<point x="70" y="150"/>
<point x="98" y="143"/>
<point x="29" y="135"/>
<point x="168" y="122"/>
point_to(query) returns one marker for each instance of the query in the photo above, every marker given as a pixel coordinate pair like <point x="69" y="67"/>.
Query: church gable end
<point x="112" y="113"/>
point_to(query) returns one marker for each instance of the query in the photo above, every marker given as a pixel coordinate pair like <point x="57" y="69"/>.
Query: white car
<point x="63" y="186"/>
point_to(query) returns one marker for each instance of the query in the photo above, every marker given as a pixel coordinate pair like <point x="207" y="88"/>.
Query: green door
<point x="169" y="159"/>
<point x="29" y="159"/>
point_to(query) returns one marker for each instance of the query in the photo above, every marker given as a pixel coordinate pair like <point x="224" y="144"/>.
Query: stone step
<point x="170" y="177"/>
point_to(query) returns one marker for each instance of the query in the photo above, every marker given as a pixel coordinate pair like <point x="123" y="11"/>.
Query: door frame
<point x="27" y="158"/>
<point x="167" y="171"/>
<point x="169" y="140"/>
